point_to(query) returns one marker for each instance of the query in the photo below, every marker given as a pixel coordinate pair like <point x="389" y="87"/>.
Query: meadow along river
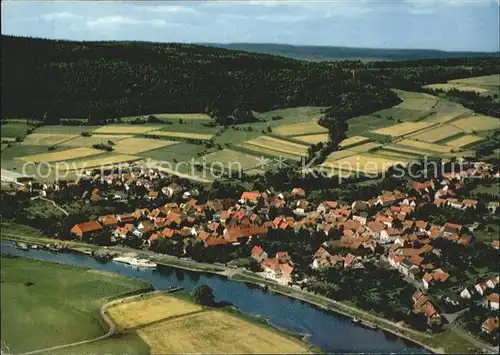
<point x="332" y="332"/>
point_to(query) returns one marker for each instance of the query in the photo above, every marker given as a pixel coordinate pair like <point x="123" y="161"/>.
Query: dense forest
<point x="113" y="79"/>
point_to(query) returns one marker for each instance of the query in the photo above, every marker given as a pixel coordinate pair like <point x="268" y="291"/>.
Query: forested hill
<point x="324" y="53"/>
<point x="114" y="79"/>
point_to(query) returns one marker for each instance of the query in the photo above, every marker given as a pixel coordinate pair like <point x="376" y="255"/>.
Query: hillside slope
<point x="320" y="53"/>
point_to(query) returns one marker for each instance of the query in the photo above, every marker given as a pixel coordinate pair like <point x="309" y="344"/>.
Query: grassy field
<point x="477" y="123"/>
<point x="61" y="129"/>
<point x="227" y="157"/>
<point x="81" y="141"/>
<point x="263" y="151"/>
<point x="464" y="141"/>
<point x="12" y="130"/>
<point x="438" y="133"/>
<point x="47" y="139"/>
<point x="416" y="100"/>
<point x="172" y="116"/>
<point x="180" y="152"/>
<point x="402" y="129"/>
<point x="54" y="304"/>
<point x="185" y="135"/>
<point x="482" y="84"/>
<point x="67" y="154"/>
<point x="139" y="145"/>
<point x="217" y="332"/>
<point x="158" y="307"/>
<point x="278" y="145"/>
<point x="426" y="146"/>
<point x="365" y="163"/>
<point x="298" y="129"/>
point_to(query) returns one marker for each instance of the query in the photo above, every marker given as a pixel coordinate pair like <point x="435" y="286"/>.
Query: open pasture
<point x="477" y="123"/>
<point x="185" y="135"/>
<point x="464" y="141"/>
<point x="68" y="154"/>
<point x="140" y="312"/>
<point x="63" y="129"/>
<point x="292" y="114"/>
<point x="426" y="146"/>
<point x="354" y="140"/>
<point x="417" y="152"/>
<point x="416" y="100"/>
<point x="105" y="159"/>
<point x="81" y="141"/>
<point x="217" y="332"/>
<point x="365" y="163"/>
<point x="279" y="145"/>
<point x="402" y="128"/>
<point x="489" y="84"/>
<point x="437" y="133"/>
<point x="183" y="116"/>
<point x="229" y="158"/>
<point x="47" y="138"/>
<point x="139" y="145"/>
<point x="30" y="304"/>
<point x="457" y="86"/>
<point x="13" y="130"/>
<point x="443" y="117"/>
<point x="313" y="138"/>
<point x="263" y="151"/>
<point x="126" y="129"/>
<point x="179" y="152"/>
<point x="298" y="129"/>
<point x="358" y="126"/>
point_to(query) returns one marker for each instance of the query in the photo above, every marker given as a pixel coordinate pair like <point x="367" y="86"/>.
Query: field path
<point x="53" y="202"/>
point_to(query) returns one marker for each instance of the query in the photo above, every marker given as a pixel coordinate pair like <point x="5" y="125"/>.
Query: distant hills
<point x="325" y="53"/>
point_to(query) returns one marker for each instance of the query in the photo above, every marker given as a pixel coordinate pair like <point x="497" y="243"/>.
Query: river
<point x="330" y="331"/>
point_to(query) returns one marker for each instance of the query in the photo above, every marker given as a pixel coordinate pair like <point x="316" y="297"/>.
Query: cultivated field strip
<point x="61" y="155"/>
<point x="339" y="155"/>
<point x="139" y="145"/>
<point x="185" y="135"/>
<point x="300" y="129"/>
<point x="365" y="163"/>
<point x="258" y="151"/>
<point x="351" y="141"/>
<point x="312" y="138"/>
<point x="403" y="128"/>
<point x="99" y="161"/>
<point x="435" y="134"/>
<point x="426" y="146"/>
<point x="48" y="139"/>
<point x="477" y="123"/>
<point x="126" y="129"/>
<point x="365" y="147"/>
<point x="464" y="141"/>
<point x="217" y="332"/>
<point x="136" y="313"/>
<point x="81" y="141"/>
<point x="278" y="145"/>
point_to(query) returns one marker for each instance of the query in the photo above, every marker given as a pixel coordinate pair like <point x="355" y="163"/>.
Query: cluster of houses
<point x="382" y="227"/>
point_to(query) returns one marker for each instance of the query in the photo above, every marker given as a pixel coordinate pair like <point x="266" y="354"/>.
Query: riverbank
<point x="438" y="343"/>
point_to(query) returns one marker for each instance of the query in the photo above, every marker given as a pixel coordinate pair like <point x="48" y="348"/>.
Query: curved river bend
<point x="332" y="332"/>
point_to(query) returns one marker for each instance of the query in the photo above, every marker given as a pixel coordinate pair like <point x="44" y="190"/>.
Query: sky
<point x="470" y="25"/>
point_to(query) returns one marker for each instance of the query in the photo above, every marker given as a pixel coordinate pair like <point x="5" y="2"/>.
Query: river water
<point x="332" y="332"/>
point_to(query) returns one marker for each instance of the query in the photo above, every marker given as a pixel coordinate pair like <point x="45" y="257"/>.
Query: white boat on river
<point x="135" y="261"/>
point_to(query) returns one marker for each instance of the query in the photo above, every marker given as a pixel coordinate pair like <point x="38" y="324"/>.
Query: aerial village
<point x="380" y="231"/>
